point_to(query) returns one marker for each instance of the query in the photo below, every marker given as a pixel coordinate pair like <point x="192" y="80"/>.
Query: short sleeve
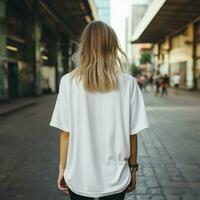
<point x="59" y="117"/>
<point x="138" y="115"/>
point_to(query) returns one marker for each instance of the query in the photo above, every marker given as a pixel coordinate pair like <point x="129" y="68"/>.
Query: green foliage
<point x="135" y="70"/>
<point x="145" y="58"/>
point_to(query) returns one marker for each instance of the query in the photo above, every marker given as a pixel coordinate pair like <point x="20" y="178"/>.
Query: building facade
<point x="175" y="39"/>
<point x="134" y="51"/>
<point x="37" y="40"/>
<point x="135" y="15"/>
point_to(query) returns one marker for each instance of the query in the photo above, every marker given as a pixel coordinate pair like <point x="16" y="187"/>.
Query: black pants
<point x="119" y="196"/>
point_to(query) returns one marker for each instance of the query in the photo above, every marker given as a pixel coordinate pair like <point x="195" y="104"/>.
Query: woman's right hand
<point x="132" y="185"/>
<point x="62" y="184"/>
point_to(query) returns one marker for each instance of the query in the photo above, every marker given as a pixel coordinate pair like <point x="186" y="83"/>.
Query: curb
<point x="17" y="108"/>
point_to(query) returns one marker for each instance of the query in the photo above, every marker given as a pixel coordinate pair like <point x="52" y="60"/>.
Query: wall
<point x="176" y="56"/>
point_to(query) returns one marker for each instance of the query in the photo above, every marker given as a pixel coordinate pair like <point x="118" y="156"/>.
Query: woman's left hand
<point x="132" y="185"/>
<point x="62" y="184"/>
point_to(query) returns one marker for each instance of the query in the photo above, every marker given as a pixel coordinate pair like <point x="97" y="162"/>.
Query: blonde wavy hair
<point x="97" y="58"/>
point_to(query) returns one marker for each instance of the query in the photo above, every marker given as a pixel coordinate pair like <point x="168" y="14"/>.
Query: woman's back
<point x="100" y="125"/>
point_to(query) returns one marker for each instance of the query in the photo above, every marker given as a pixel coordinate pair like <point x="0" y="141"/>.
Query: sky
<point x="120" y="9"/>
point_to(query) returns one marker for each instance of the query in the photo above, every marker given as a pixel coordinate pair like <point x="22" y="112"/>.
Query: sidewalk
<point x="168" y="152"/>
<point x="15" y="105"/>
<point x="186" y="92"/>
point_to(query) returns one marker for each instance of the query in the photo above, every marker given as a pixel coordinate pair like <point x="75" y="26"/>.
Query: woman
<point x="99" y="110"/>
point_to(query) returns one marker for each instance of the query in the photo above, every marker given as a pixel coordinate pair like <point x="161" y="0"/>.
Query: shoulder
<point x="64" y="82"/>
<point x="132" y="84"/>
<point x="132" y="81"/>
<point x="65" y="79"/>
<point x="129" y="77"/>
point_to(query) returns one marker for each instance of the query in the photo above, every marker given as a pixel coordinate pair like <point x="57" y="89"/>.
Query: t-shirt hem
<point x="135" y="131"/>
<point x="98" y="195"/>
<point x="59" y="127"/>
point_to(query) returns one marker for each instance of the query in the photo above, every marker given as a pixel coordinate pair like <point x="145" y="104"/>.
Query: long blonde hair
<point x="97" y="58"/>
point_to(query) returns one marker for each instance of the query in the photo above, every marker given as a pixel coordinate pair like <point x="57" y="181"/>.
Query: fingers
<point x="62" y="186"/>
<point x="130" y="188"/>
<point x="132" y="184"/>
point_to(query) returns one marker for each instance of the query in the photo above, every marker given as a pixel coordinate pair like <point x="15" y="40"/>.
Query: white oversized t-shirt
<point x="99" y="125"/>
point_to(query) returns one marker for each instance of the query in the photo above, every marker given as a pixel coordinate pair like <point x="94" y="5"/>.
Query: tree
<point x="145" y="58"/>
<point x="135" y="70"/>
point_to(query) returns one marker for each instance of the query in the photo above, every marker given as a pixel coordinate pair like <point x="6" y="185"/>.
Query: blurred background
<point x="162" y="41"/>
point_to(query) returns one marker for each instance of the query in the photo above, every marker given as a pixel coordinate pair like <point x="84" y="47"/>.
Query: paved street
<point x="169" y="151"/>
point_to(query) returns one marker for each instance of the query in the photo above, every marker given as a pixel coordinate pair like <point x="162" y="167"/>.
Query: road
<point x="168" y="152"/>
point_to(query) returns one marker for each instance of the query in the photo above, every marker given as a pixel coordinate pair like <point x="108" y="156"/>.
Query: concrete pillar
<point x="59" y="56"/>
<point x="38" y="57"/>
<point x="3" y="93"/>
<point x="190" y="65"/>
<point x="194" y="56"/>
<point x="58" y="52"/>
<point x="72" y="49"/>
<point x="33" y="53"/>
<point x="70" y="54"/>
<point x="66" y="55"/>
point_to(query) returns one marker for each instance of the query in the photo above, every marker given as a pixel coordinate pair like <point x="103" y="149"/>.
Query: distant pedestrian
<point x="144" y="80"/>
<point x="176" y="80"/>
<point x="99" y="110"/>
<point x="151" y="82"/>
<point x="164" y="85"/>
<point x="157" y="80"/>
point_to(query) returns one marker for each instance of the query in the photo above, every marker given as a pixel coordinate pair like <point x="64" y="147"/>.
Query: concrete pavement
<point x="13" y="105"/>
<point x="168" y="154"/>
